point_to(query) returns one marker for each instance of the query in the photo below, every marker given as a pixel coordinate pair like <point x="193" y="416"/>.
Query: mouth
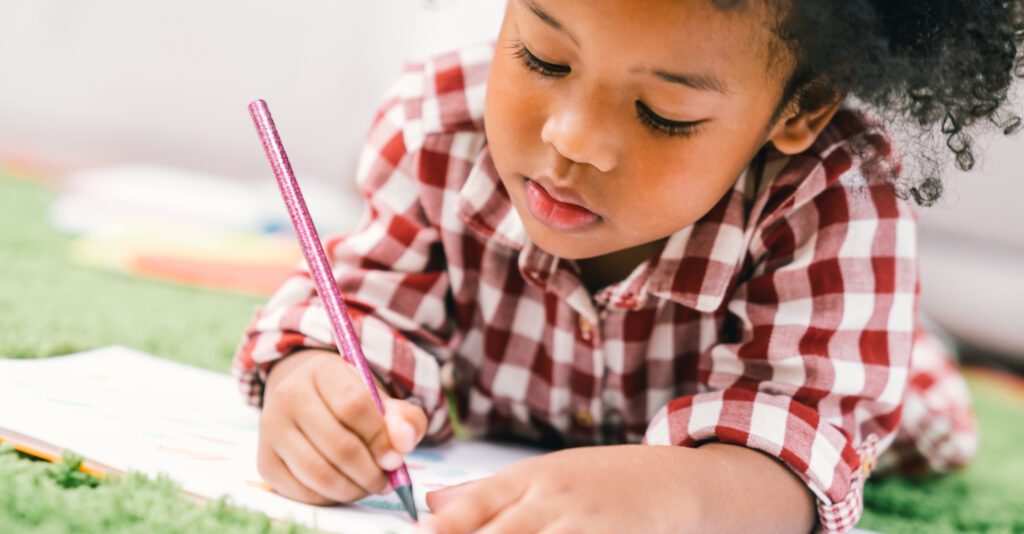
<point x="555" y="213"/>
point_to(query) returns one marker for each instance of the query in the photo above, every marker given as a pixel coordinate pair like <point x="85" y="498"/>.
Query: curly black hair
<point x="929" y="67"/>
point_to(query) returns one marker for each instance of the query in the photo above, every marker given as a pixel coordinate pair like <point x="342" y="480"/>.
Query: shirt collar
<point x="694" y="268"/>
<point x="697" y="263"/>
<point x="484" y="206"/>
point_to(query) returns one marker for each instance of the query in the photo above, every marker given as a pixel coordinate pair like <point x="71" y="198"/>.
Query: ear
<point x="796" y="131"/>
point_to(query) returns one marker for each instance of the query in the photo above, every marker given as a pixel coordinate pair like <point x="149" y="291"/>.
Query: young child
<point x="667" y="228"/>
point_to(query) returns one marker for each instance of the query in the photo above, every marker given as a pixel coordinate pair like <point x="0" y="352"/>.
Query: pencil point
<point x="405" y="493"/>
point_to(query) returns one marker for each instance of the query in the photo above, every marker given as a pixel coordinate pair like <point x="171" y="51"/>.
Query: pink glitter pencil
<point x="326" y="287"/>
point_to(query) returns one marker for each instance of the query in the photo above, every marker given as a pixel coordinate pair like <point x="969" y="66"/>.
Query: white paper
<point x="132" y="411"/>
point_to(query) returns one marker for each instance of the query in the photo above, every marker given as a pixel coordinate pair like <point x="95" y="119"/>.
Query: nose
<point x="583" y="131"/>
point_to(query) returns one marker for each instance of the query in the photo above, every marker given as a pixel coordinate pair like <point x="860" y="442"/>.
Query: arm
<point x="751" y="491"/>
<point x="630" y="488"/>
<point x="814" y="369"/>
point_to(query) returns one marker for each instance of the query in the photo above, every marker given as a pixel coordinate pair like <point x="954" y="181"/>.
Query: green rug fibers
<point x="41" y="497"/>
<point x="986" y="497"/>
<point x="49" y="306"/>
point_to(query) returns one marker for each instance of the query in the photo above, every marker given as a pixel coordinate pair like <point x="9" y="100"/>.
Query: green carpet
<point x="40" y="497"/>
<point x="986" y="497"/>
<point x="49" y="306"/>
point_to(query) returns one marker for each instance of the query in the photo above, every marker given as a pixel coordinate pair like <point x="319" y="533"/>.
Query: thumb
<point x="406" y="424"/>
<point x="438" y="499"/>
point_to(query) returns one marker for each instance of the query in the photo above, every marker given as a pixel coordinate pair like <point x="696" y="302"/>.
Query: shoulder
<point x="441" y="94"/>
<point x="428" y="132"/>
<point x="837" y="195"/>
<point x="847" y="174"/>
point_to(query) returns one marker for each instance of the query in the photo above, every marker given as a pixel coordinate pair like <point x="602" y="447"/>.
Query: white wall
<point x="972" y="251"/>
<point x="168" y="81"/>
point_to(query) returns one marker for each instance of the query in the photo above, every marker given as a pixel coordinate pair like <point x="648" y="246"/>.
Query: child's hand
<point x="629" y="488"/>
<point x="321" y="438"/>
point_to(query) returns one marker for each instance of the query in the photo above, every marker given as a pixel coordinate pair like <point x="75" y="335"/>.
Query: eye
<point x="663" y="125"/>
<point x="533" y="63"/>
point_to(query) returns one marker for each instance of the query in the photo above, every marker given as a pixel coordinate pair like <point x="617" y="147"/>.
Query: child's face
<point x="615" y="123"/>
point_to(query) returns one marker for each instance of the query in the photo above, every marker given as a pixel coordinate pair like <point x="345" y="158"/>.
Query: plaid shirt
<point x="783" y="320"/>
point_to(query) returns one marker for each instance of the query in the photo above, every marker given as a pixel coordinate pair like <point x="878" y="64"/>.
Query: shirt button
<point x="448" y="375"/>
<point x="586" y="329"/>
<point x="584" y="418"/>
<point x="867" y="465"/>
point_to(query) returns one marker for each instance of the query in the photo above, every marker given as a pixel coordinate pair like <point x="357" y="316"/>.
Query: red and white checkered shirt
<point x="783" y="320"/>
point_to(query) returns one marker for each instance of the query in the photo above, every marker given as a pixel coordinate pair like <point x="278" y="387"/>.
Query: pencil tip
<point x="405" y="493"/>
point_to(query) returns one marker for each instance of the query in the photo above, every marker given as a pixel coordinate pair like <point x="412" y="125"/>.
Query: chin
<point x="570" y="247"/>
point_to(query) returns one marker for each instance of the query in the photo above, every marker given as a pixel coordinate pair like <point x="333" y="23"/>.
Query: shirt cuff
<point x="818" y="452"/>
<point x="255" y="357"/>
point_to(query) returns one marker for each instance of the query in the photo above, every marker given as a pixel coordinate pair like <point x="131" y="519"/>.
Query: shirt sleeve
<point x="811" y="365"/>
<point x="390" y="271"/>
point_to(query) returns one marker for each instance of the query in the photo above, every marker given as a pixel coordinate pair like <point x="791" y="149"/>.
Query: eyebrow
<point x="701" y="82"/>
<point x="548" y="19"/>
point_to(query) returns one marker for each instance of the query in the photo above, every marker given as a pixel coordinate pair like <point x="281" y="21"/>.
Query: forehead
<point x="671" y="34"/>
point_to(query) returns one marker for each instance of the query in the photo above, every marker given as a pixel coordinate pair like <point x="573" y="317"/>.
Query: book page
<point x="126" y="410"/>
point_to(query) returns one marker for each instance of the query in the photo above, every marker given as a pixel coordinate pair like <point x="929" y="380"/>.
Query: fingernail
<point x="407" y="436"/>
<point x="389" y="461"/>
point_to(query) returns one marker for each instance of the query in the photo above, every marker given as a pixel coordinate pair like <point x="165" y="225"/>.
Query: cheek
<point x="513" y="115"/>
<point x="670" y="187"/>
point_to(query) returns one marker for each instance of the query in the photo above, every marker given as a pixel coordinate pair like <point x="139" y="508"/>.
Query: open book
<point x="125" y="410"/>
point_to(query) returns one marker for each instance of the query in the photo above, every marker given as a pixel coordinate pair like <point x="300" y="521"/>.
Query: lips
<point x="557" y="214"/>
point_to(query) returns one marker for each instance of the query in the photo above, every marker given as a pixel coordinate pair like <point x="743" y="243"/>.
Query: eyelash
<point x="651" y="119"/>
<point x="533" y="63"/>
<point x="665" y="126"/>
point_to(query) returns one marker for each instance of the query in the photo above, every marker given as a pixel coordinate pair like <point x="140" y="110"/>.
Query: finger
<point x="350" y="402"/>
<point x="567" y="526"/>
<point x="343" y="449"/>
<point x="313" y="471"/>
<point x="276" y="473"/>
<point x="406" y="424"/>
<point x="520" y="517"/>
<point x="474" y="507"/>
<point x="438" y="499"/>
